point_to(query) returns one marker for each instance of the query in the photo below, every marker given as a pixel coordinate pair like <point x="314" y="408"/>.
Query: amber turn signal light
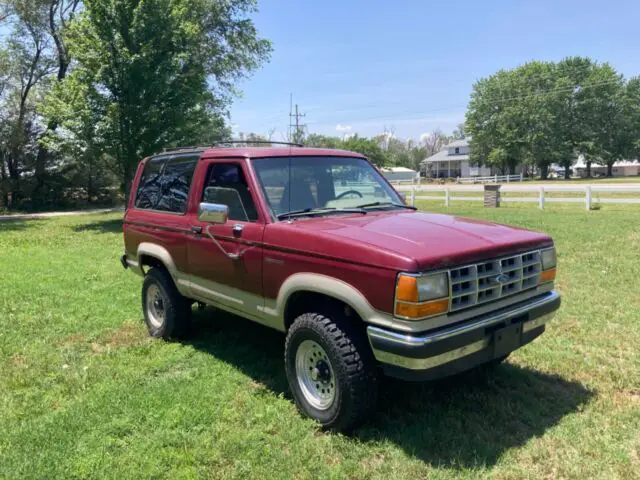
<point x="407" y="289"/>
<point x="422" y="310"/>
<point x="548" y="275"/>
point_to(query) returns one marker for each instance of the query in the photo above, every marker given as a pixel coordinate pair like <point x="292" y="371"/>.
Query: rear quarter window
<point x="165" y="182"/>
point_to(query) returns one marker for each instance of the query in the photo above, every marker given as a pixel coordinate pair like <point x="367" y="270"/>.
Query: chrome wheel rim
<point x="315" y="375"/>
<point x="155" y="306"/>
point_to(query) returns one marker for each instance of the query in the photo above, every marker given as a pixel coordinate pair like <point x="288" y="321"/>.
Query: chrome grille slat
<point x="476" y="284"/>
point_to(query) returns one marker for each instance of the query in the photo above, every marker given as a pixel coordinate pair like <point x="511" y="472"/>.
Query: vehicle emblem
<point x="502" y="278"/>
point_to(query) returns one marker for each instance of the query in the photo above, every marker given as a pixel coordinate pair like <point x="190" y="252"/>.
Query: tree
<point x="433" y="142"/>
<point x="542" y="113"/>
<point x="161" y="72"/>
<point x="459" y="133"/>
<point x="26" y="66"/>
<point x="367" y="147"/>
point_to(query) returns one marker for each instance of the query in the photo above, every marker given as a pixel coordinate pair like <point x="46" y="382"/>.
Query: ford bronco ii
<point x="317" y="244"/>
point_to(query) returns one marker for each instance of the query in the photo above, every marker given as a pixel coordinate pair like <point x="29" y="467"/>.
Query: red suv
<point x="317" y="244"/>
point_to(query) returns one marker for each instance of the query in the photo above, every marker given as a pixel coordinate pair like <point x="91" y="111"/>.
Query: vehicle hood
<point x="429" y="240"/>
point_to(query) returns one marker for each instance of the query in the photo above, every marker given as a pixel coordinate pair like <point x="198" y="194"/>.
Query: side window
<point x="175" y="183"/>
<point x="226" y="185"/>
<point x="165" y="183"/>
<point x="149" y="187"/>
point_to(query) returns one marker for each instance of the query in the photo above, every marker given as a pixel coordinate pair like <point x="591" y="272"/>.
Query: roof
<point x="263" y="152"/>
<point x="464" y="142"/>
<point x="443" y="156"/>
<point x="397" y="169"/>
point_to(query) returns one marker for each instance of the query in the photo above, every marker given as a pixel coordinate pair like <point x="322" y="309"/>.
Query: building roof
<point x="397" y="169"/>
<point x="443" y="156"/>
<point x="464" y="142"/>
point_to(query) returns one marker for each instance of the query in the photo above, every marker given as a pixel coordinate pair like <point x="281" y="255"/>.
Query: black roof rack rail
<point x="260" y="142"/>
<point x="176" y="149"/>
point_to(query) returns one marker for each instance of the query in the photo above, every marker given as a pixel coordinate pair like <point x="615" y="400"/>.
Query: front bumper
<point x="453" y="349"/>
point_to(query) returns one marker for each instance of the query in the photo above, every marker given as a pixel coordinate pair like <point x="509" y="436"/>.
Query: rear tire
<point x="331" y="371"/>
<point x="166" y="312"/>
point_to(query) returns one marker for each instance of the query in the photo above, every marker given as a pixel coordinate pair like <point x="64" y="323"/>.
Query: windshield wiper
<point x="319" y="211"/>
<point x="386" y="204"/>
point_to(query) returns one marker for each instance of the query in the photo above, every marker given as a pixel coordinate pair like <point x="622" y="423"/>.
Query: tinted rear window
<point x="165" y="183"/>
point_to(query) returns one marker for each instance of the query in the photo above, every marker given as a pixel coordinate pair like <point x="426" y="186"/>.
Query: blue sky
<point x="357" y="66"/>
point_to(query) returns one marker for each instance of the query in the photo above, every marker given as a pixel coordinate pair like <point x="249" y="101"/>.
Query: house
<point x="623" y="168"/>
<point x="394" y="174"/>
<point x="452" y="162"/>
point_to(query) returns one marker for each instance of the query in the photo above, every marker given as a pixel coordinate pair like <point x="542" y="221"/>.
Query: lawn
<point x="86" y="394"/>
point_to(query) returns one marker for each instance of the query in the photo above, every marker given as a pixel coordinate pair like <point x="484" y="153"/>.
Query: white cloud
<point x="235" y="127"/>
<point x="343" y="128"/>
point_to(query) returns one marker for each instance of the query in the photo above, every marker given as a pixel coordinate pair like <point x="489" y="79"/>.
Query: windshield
<point x="309" y="183"/>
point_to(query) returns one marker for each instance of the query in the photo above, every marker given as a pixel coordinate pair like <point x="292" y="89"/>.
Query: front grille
<point x="492" y="280"/>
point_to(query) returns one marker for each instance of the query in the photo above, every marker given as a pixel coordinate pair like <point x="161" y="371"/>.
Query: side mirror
<point x="213" y="213"/>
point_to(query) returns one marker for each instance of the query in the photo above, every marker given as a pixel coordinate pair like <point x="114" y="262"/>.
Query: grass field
<point x="84" y="393"/>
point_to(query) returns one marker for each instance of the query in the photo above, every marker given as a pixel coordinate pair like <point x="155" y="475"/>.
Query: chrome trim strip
<point x="431" y="362"/>
<point x="482" y="322"/>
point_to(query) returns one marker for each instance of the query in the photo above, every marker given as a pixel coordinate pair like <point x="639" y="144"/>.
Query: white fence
<point x="492" y="179"/>
<point x="473" y="180"/>
<point x="586" y="192"/>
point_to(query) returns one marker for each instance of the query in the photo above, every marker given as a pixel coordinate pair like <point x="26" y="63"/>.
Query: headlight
<point x="548" y="259"/>
<point x="420" y="296"/>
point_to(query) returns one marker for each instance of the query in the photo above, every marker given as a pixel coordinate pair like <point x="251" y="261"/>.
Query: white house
<point x="453" y="161"/>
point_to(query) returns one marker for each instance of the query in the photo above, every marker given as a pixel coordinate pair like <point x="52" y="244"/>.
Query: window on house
<point x="457" y="151"/>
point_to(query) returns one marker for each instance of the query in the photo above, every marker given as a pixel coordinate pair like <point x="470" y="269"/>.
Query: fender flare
<point x="332" y="287"/>
<point x="161" y="253"/>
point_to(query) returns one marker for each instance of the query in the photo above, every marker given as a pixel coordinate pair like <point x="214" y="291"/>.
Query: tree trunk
<point x="544" y="171"/>
<point x="609" y="169"/>
<point x="588" y="168"/>
<point x="567" y="172"/>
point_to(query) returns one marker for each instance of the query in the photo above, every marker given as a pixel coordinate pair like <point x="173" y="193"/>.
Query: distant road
<point x="33" y="216"/>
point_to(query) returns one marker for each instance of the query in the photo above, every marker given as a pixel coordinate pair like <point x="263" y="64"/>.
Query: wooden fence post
<point x="541" y="200"/>
<point x="447" y="199"/>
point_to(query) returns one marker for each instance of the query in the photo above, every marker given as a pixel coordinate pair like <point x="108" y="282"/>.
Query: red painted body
<point x="365" y="251"/>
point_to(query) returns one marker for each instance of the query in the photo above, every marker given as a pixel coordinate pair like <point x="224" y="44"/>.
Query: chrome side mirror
<point x="213" y="213"/>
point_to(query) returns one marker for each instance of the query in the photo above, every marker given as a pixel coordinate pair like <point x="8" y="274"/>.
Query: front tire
<point x="331" y="371"/>
<point x="166" y="312"/>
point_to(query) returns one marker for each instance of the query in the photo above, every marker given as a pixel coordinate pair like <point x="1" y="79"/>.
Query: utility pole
<point x="296" y="129"/>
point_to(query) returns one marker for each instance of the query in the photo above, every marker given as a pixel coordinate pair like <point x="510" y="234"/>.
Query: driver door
<point x="225" y="260"/>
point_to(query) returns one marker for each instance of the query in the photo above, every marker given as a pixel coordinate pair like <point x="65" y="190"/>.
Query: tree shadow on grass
<point x="464" y="421"/>
<point x="101" y="226"/>
<point x="17" y="224"/>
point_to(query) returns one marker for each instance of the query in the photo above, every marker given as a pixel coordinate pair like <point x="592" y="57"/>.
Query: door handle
<point x="237" y="229"/>
<point x="196" y="229"/>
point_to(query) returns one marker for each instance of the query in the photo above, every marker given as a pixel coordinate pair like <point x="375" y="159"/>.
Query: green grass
<point x="84" y="393"/>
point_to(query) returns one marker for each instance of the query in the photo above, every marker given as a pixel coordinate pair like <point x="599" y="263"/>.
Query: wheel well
<point x="152" y="262"/>
<point x="307" y="302"/>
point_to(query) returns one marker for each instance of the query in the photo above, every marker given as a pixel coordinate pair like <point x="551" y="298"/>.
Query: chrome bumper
<point x="471" y="343"/>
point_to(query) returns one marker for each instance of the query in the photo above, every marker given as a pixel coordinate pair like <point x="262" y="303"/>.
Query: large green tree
<point x="542" y="113"/>
<point x="159" y="72"/>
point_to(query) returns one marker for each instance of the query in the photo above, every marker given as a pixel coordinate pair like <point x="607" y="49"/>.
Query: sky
<point x="408" y="66"/>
